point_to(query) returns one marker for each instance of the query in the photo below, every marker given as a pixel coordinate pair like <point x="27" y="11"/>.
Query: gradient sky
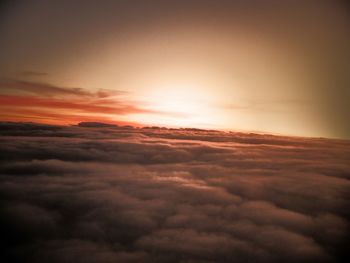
<point x="271" y="66"/>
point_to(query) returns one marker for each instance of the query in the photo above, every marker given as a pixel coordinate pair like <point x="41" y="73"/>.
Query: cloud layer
<point x="95" y="193"/>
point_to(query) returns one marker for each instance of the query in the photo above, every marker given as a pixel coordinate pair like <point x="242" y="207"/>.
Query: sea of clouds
<point x="98" y="193"/>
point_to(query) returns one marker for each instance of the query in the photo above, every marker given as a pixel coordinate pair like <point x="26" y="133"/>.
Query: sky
<point x="89" y="193"/>
<point x="269" y="66"/>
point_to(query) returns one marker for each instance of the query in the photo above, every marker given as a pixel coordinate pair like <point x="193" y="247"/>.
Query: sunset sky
<point x="268" y="66"/>
<point x="174" y="131"/>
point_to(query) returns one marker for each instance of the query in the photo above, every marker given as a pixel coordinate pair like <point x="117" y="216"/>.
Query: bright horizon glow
<point x="217" y="65"/>
<point x="179" y="105"/>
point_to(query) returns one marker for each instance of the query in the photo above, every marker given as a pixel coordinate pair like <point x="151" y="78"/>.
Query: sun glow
<point x="178" y="106"/>
<point x="184" y="100"/>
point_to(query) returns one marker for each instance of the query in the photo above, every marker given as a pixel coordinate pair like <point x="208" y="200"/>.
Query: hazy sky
<point x="273" y="66"/>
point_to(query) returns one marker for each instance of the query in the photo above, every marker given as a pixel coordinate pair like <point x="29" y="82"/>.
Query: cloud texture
<point x="95" y="193"/>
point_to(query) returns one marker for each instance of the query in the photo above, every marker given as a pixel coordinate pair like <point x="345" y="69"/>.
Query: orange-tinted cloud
<point x="49" y="117"/>
<point x="78" y="105"/>
<point x="10" y="86"/>
<point x="23" y="101"/>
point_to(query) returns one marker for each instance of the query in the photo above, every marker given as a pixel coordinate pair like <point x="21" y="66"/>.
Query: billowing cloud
<point x="97" y="193"/>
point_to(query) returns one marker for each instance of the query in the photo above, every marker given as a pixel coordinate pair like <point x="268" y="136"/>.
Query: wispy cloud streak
<point x="19" y="100"/>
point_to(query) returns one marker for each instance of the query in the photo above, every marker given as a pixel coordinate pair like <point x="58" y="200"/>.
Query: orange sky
<point x="277" y="66"/>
